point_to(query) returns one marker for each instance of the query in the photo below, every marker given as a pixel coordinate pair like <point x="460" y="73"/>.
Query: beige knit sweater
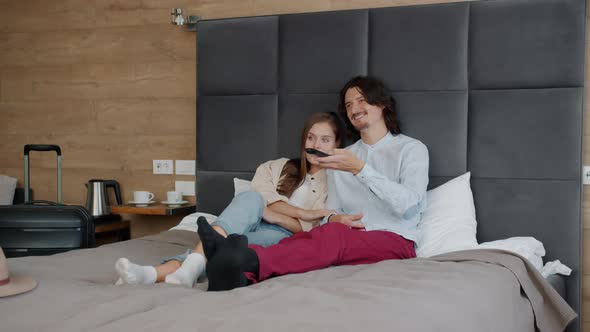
<point x="266" y="181"/>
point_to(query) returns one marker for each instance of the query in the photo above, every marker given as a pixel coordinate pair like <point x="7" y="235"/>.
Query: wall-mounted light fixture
<point x="190" y="21"/>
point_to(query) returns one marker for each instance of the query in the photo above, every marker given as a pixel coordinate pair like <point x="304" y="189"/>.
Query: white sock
<point x="186" y="275"/>
<point x="135" y="274"/>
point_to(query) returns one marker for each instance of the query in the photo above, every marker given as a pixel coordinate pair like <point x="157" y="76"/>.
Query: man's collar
<point x="381" y="141"/>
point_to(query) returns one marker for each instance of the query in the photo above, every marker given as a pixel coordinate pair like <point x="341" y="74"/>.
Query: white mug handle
<point x="151" y="197"/>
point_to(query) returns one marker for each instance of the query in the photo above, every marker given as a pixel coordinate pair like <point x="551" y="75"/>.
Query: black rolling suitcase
<point x="42" y="227"/>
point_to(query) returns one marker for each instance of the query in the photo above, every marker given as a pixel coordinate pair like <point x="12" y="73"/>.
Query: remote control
<point x="316" y="152"/>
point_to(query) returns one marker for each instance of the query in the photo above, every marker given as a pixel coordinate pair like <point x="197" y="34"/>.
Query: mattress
<point x="461" y="291"/>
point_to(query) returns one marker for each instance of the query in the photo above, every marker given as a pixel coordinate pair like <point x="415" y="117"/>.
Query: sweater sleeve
<point x="405" y="197"/>
<point x="266" y="180"/>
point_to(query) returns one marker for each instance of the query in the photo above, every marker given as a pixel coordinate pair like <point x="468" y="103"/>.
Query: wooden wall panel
<point x="134" y="116"/>
<point x="42" y="15"/>
<point x="152" y="43"/>
<point x="101" y="81"/>
<point x="113" y="82"/>
<point x="62" y="116"/>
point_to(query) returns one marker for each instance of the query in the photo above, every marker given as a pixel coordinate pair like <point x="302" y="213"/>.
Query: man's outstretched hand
<point x="343" y="160"/>
<point x="350" y="220"/>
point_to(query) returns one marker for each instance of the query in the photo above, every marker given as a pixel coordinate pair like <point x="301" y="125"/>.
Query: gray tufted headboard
<point x="491" y="87"/>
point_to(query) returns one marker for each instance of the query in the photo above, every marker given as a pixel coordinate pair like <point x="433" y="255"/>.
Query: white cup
<point x="142" y="196"/>
<point x="174" y="196"/>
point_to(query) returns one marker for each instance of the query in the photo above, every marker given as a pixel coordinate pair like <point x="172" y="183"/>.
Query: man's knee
<point x="331" y="229"/>
<point x="335" y="226"/>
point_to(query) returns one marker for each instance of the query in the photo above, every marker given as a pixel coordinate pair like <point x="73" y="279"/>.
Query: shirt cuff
<point x="366" y="174"/>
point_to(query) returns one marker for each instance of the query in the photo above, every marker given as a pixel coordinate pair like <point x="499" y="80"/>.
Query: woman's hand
<point x="343" y="160"/>
<point x="350" y="220"/>
<point x="311" y="215"/>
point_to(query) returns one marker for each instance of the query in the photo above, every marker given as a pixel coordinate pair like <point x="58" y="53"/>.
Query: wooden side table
<point x="156" y="209"/>
<point x="107" y="227"/>
<point x="121" y="227"/>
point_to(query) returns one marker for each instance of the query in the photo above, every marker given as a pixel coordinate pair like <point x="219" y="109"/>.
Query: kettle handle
<point x="115" y="185"/>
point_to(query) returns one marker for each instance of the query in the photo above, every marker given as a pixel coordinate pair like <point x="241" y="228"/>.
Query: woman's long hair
<point x="295" y="170"/>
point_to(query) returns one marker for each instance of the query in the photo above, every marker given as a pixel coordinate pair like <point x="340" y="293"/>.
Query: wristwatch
<point x="330" y="216"/>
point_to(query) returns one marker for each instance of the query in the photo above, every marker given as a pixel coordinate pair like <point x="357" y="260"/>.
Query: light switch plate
<point x="185" y="167"/>
<point x="163" y="167"/>
<point x="187" y="188"/>
<point x="586" y="175"/>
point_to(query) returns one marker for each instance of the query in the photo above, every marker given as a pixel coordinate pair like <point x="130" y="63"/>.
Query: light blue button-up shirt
<point x="390" y="190"/>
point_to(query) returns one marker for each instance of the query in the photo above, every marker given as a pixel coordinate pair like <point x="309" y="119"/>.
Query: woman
<point x="288" y="197"/>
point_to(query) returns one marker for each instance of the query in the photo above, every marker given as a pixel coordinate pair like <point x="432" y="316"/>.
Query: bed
<point x="491" y="87"/>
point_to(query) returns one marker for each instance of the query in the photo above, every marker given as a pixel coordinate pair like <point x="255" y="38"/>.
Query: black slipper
<point x="209" y="237"/>
<point x="225" y="270"/>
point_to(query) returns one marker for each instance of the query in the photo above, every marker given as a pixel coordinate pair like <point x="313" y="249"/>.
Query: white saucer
<point x="141" y="204"/>
<point x="174" y="203"/>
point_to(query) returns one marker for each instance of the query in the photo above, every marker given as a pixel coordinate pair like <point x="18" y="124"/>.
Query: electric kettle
<point x="97" y="199"/>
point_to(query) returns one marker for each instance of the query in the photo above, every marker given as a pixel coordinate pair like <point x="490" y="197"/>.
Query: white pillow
<point x="528" y="247"/>
<point x="189" y="223"/>
<point x="7" y="187"/>
<point x="448" y="222"/>
<point x="241" y="185"/>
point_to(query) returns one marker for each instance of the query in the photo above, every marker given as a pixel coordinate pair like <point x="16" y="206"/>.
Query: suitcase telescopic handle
<point x="42" y="147"/>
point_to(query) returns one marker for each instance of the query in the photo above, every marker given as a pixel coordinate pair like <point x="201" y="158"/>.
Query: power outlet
<point x="586" y="175"/>
<point x="163" y="167"/>
<point x="187" y="188"/>
<point x="185" y="167"/>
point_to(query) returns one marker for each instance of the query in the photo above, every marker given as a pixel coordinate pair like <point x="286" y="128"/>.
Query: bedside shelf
<point x="157" y="209"/>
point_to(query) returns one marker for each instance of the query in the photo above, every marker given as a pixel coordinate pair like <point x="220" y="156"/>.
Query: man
<point x="377" y="187"/>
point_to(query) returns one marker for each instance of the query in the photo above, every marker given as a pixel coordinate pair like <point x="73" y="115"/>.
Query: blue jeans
<point x="244" y="216"/>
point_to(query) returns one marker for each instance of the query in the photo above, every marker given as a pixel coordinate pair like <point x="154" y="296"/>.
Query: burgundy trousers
<point x="328" y="245"/>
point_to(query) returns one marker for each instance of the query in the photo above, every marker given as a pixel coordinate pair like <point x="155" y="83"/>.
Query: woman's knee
<point x="254" y="199"/>
<point x="251" y="196"/>
<point x="243" y="214"/>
